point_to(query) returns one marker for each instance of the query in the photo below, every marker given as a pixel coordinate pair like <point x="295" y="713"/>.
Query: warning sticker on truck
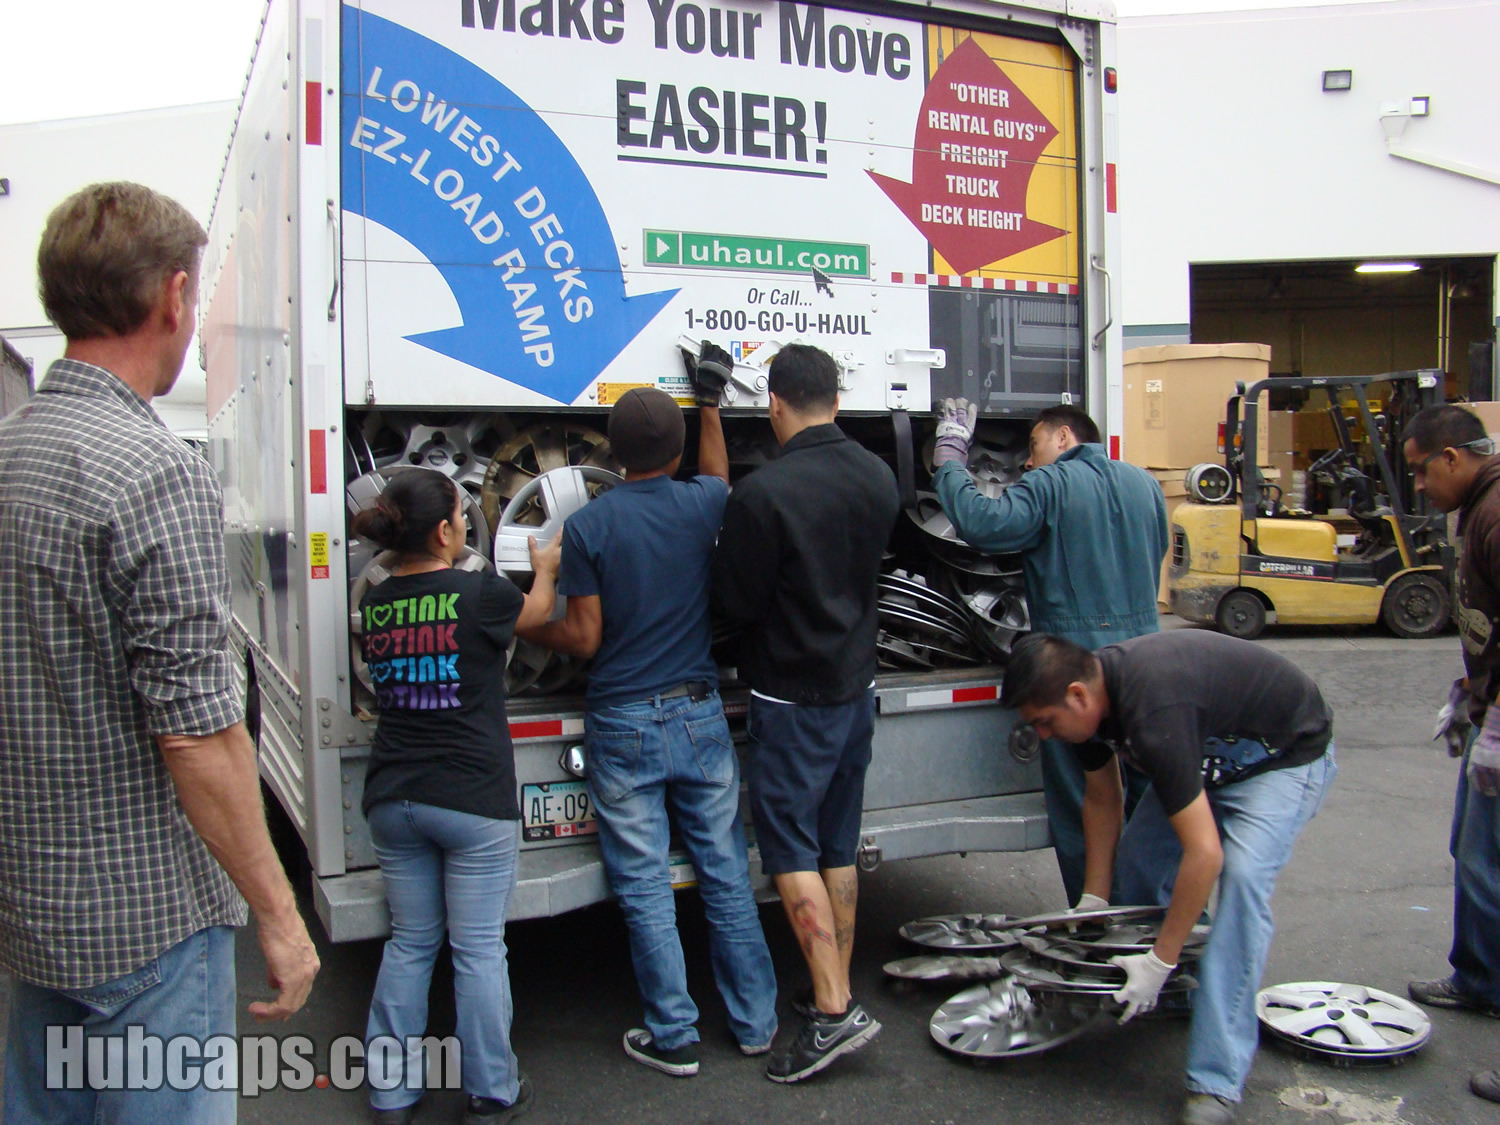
<point x="317" y="553"/>
<point x="609" y="393"/>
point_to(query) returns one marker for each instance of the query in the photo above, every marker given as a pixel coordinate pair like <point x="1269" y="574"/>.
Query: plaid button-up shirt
<point x="114" y="618"/>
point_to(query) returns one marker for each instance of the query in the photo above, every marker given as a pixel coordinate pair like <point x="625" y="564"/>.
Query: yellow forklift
<point x="1241" y="557"/>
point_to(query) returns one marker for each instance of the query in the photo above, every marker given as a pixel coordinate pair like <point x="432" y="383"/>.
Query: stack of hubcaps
<point x="1050" y="974"/>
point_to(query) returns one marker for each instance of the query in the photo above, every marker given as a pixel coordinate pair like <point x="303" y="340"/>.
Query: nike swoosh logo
<point x="823" y="1042"/>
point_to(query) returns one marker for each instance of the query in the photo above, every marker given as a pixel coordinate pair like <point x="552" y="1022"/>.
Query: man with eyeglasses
<point x="1453" y="462"/>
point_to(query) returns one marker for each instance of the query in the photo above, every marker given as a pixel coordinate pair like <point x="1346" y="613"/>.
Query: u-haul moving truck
<point x="452" y="233"/>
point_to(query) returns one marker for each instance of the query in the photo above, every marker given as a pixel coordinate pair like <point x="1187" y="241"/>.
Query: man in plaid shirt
<point x="129" y="797"/>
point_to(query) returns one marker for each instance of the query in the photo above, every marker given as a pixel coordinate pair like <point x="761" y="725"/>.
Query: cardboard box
<point x="1161" y="588"/>
<point x="1176" y="397"/>
<point x="1489" y="414"/>
<point x="1313" y="433"/>
<point x="1282" y="454"/>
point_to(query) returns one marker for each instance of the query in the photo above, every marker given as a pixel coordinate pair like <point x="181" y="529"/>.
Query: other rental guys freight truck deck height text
<point x="451" y="234"/>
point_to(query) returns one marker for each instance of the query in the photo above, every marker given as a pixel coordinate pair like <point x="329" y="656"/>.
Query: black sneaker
<point x="492" y="1111"/>
<point x="805" y="1004"/>
<point x="819" y="1041"/>
<point x="679" y="1063"/>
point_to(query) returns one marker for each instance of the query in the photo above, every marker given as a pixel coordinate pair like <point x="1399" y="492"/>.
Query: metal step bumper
<point x="555" y="880"/>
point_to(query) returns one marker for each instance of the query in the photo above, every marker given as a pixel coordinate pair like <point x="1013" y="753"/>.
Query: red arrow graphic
<point x="976" y="147"/>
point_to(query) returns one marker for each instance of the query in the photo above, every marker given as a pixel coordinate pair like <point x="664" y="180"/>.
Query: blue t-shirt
<point x="644" y="549"/>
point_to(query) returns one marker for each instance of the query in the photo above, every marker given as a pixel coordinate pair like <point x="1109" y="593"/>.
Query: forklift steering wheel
<point x="1271" y="504"/>
<point x="1327" y="461"/>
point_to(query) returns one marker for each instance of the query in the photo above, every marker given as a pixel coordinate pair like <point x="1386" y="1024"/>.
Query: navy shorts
<point x="806" y="769"/>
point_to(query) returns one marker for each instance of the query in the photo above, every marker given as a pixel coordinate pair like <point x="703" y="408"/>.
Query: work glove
<point x="1453" y="723"/>
<point x="708" y="371"/>
<point x="1087" y="902"/>
<point x="1145" y="973"/>
<point x="1484" y="755"/>
<point x="955" y="430"/>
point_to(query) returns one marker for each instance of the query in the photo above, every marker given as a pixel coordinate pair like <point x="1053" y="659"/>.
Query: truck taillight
<point x="1111" y="80"/>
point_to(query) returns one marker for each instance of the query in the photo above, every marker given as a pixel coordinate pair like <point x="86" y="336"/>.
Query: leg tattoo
<point x="804" y="914"/>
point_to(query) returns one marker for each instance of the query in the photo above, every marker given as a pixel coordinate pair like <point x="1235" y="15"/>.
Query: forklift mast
<point x="1414" y="391"/>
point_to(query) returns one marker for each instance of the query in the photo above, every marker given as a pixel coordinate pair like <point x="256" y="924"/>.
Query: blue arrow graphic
<point x="442" y="153"/>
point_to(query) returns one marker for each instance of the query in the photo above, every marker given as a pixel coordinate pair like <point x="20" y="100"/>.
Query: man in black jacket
<point x="797" y="561"/>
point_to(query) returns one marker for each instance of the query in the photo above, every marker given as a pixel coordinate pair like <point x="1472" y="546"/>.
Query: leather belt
<point x="693" y="689"/>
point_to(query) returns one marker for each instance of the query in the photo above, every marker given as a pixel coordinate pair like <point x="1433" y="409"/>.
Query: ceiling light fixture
<point x="1387" y="267"/>
<point x="1337" y="80"/>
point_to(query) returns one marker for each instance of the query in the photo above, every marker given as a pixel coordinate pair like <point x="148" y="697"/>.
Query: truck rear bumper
<point x="553" y="881"/>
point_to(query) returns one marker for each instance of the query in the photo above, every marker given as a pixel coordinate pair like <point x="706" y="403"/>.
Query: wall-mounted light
<point x="1337" y="80"/>
<point x="1387" y="267"/>
<point x="1419" y="107"/>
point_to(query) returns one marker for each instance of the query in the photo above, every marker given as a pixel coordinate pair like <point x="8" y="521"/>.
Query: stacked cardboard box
<point x="1489" y="414"/>
<point x="1176" y="400"/>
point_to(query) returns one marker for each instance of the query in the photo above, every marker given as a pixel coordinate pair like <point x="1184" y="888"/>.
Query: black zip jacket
<point x="797" y="561"/>
<point x="1478" y="608"/>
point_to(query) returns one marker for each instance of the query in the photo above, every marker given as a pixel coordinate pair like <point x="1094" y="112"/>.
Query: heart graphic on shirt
<point x="381" y="614"/>
<point x="377" y="644"/>
<point x="382" y="671"/>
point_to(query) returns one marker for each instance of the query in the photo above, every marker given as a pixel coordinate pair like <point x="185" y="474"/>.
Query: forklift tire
<point x="1415" y="606"/>
<point x="1241" y="614"/>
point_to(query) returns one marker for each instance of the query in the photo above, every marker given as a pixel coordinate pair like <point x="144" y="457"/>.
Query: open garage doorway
<point x="1332" y="318"/>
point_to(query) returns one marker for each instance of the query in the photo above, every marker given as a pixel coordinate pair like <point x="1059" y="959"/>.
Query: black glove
<point x="709" y="372"/>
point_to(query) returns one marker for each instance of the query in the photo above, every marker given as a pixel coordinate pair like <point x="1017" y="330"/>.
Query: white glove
<point x="1145" y="973"/>
<point x="1453" y="723"/>
<point x="1484" y="755"/>
<point x="955" y="430"/>
<point x="1090" y="902"/>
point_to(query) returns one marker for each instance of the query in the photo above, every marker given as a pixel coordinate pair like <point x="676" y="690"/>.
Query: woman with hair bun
<point x="440" y="792"/>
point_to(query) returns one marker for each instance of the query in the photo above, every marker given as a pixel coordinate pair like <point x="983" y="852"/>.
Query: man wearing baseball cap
<point x="635" y="571"/>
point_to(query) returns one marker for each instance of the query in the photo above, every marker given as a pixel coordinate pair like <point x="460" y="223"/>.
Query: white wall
<point x="177" y="151"/>
<point x="1230" y="151"/>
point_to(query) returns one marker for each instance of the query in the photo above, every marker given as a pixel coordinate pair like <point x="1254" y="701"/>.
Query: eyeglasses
<point x="1483" y="447"/>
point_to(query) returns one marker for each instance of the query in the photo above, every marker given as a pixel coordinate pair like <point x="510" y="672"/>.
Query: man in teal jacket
<point x="1091" y="533"/>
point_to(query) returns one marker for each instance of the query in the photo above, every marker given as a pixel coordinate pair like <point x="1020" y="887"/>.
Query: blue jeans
<point x="1259" y="820"/>
<point x="188" y="990"/>
<point x="1475" y="846"/>
<point x="643" y="757"/>
<point x="1062" y="789"/>
<point x="453" y="871"/>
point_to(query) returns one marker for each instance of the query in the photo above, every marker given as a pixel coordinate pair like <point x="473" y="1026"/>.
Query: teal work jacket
<point x="1091" y="533"/>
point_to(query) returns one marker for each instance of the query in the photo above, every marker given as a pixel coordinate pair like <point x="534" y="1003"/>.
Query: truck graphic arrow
<point x="976" y="147"/>
<point x="440" y="152"/>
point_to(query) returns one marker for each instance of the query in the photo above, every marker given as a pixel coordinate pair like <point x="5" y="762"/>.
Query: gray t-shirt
<point x="1171" y="693"/>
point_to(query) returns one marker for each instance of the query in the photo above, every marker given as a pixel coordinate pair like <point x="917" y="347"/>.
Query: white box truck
<point x="451" y="234"/>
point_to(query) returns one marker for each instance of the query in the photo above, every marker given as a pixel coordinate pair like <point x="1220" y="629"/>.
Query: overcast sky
<point x="79" y="58"/>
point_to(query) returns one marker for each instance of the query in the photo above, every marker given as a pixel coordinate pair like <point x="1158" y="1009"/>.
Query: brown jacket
<point x="1478" y="593"/>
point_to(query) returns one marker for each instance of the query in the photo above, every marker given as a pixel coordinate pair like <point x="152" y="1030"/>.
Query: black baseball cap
<point x="646" y="429"/>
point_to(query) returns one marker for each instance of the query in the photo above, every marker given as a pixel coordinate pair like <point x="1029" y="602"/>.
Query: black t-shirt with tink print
<point x="435" y="645"/>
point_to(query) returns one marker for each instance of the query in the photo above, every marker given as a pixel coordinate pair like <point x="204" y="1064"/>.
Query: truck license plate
<point x="553" y="810"/>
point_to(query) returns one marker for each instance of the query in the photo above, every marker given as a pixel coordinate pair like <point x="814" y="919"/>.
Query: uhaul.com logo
<point x="251" y="1064"/>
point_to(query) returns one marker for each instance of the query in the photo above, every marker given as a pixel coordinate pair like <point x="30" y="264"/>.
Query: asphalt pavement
<point x="1365" y="899"/>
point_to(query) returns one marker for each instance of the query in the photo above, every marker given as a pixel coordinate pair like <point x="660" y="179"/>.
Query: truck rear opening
<point x="451" y="236"/>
